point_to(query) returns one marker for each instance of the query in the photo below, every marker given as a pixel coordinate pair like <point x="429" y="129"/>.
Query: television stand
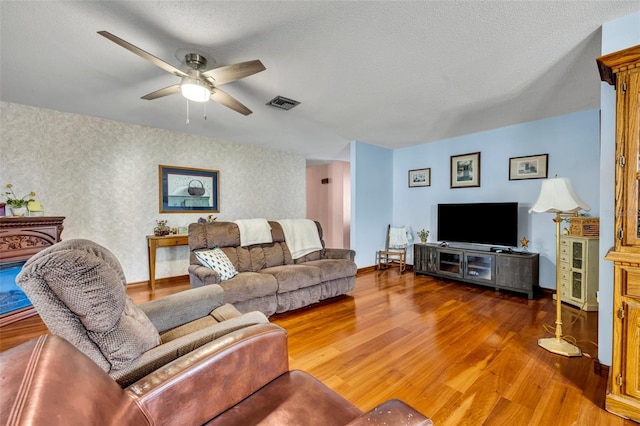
<point x="502" y="270"/>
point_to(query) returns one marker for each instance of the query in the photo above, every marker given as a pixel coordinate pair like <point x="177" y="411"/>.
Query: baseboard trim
<point x="600" y="369"/>
<point x="373" y="268"/>
<point x="365" y="270"/>
<point x="162" y="282"/>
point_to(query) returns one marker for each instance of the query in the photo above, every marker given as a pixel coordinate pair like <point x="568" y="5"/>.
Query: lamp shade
<point x="557" y="196"/>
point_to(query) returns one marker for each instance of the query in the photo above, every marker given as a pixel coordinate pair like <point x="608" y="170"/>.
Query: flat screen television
<point x="480" y="223"/>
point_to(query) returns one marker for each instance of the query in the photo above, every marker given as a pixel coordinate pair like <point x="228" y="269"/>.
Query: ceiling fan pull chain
<point x="187" y="111"/>
<point x="205" y="110"/>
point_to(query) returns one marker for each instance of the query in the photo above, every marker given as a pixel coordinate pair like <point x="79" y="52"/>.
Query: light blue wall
<point x="572" y="142"/>
<point x="576" y="150"/>
<point x="616" y="35"/>
<point x="371" y="192"/>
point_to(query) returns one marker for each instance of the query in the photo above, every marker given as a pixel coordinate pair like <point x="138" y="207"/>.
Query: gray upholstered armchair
<point x="79" y="290"/>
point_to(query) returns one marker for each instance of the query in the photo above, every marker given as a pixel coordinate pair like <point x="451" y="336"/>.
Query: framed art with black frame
<point x="185" y="190"/>
<point x="465" y="170"/>
<point x="419" y="177"/>
<point x="529" y="167"/>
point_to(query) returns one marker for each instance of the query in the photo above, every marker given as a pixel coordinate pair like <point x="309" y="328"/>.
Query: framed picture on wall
<point x="465" y="170"/>
<point x="529" y="167"/>
<point x="184" y="190"/>
<point x="419" y="177"/>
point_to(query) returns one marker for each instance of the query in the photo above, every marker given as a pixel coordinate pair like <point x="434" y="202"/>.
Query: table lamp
<point x="557" y="196"/>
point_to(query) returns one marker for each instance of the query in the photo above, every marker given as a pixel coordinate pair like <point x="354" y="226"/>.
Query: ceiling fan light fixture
<point x="194" y="90"/>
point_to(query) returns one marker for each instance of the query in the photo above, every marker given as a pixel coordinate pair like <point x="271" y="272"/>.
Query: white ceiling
<point x="388" y="73"/>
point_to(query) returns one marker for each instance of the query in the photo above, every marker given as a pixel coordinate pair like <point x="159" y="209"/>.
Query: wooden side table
<point x="153" y="243"/>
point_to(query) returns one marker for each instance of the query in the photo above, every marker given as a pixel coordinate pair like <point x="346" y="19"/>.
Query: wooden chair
<point x="395" y="251"/>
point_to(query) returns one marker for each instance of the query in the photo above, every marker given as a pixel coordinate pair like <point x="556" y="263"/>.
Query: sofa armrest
<point x="180" y="347"/>
<point x="214" y="377"/>
<point x="339" y="253"/>
<point x="201" y="275"/>
<point x="183" y="307"/>
<point x="392" y="412"/>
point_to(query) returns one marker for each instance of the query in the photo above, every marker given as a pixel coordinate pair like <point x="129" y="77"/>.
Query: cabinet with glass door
<point x="579" y="270"/>
<point x="622" y="70"/>
<point x="479" y="267"/>
<point x="450" y="263"/>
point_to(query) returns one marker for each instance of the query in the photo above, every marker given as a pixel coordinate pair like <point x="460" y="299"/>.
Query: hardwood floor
<point x="460" y="354"/>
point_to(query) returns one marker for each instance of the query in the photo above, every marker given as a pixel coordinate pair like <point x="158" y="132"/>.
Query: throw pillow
<point x="218" y="261"/>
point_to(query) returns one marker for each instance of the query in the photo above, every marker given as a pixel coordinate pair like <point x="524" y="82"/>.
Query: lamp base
<point x="559" y="346"/>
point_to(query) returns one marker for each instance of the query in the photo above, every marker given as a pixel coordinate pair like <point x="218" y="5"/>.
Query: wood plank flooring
<point x="460" y="354"/>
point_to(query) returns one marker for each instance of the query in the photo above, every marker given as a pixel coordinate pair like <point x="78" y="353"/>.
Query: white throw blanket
<point x="398" y="237"/>
<point x="254" y="231"/>
<point x="301" y="236"/>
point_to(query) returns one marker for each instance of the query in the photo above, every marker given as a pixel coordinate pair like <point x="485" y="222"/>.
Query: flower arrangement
<point x="13" y="200"/>
<point x="423" y="235"/>
<point x="161" y="228"/>
<point x="210" y="218"/>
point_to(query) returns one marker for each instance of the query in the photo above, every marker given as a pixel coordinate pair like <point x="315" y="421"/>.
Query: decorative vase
<point x="18" y="211"/>
<point x="161" y="229"/>
<point x="423" y="240"/>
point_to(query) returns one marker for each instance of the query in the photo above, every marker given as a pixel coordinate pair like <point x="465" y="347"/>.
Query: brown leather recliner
<point x="240" y="379"/>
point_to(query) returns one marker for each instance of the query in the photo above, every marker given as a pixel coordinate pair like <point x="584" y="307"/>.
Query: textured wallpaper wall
<point x="103" y="177"/>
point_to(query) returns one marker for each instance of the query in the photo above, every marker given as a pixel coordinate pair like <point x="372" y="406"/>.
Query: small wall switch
<point x="598" y="296"/>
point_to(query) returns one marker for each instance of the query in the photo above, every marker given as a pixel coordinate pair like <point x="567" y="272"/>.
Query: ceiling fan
<point x="197" y="84"/>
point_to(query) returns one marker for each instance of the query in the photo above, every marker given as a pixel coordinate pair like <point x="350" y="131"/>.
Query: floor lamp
<point x="557" y="196"/>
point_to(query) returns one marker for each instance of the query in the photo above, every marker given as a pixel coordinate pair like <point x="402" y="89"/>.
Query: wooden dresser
<point x="622" y="69"/>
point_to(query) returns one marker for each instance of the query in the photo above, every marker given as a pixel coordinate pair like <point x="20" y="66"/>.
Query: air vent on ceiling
<point x="282" y="103"/>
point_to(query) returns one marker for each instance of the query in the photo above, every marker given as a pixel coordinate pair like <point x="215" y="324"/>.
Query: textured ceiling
<point x="389" y="73"/>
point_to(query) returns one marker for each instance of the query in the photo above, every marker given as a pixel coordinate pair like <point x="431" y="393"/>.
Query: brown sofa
<point x="243" y="379"/>
<point x="269" y="279"/>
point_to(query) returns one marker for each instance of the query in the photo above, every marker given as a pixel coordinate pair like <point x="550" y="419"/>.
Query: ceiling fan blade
<point x="229" y="73"/>
<point x="162" y="92"/>
<point x="229" y="101"/>
<point x="145" y="55"/>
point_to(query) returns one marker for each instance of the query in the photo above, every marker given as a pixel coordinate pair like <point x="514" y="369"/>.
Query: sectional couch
<point x="269" y="279"/>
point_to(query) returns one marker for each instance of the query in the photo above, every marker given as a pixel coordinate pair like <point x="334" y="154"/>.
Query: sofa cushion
<point x="293" y="277"/>
<point x="276" y="255"/>
<point x="240" y="258"/>
<point x="314" y="255"/>
<point x="295" y="299"/>
<point x="248" y="285"/>
<point x="218" y="261"/>
<point x="331" y="269"/>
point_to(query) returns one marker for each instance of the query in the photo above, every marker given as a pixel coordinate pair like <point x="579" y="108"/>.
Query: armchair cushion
<point x="218" y="261"/>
